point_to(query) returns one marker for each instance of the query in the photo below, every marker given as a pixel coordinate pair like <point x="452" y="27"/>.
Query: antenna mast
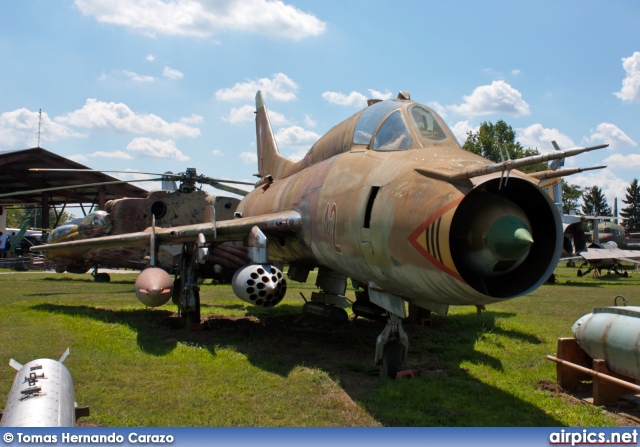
<point x="39" y="125"/>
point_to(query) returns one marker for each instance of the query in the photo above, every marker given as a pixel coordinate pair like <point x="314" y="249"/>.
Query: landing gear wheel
<point x="392" y="359"/>
<point x="101" y="277"/>
<point x="193" y="318"/>
<point x="551" y="279"/>
<point x="625" y="274"/>
<point x="579" y="272"/>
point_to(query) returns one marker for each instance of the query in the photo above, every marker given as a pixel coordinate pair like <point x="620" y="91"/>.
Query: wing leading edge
<point x="281" y="223"/>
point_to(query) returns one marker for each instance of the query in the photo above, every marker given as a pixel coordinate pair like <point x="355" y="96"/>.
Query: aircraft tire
<point x="392" y="357"/>
<point x="101" y="277"/>
<point x="193" y="318"/>
<point x="579" y="272"/>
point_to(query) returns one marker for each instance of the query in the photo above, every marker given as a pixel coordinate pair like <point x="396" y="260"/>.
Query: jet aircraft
<point x="389" y="199"/>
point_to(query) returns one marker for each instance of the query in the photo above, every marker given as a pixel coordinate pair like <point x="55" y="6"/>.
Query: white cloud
<point x="438" y="108"/>
<point x="217" y="153"/>
<point x="199" y="18"/>
<point x="249" y="157"/>
<point x="150" y="58"/>
<point x="309" y="122"/>
<point x="295" y="141"/>
<point x="379" y="95"/>
<point x="172" y="73"/>
<point x="156" y="148"/>
<point x="137" y="77"/>
<point x="611" y="185"/>
<point x="78" y="158"/>
<point x="353" y="99"/>
<point x="516" y="72"/>
<point x="242" y="114"/>
<point x="461" y="129"/>
<point x="631" y="161"/>
<point x="630" y="91"/>
<point x="296" y="136"/>
<point x="114" y="154"/>
<point x="120" y="118"/>
<point x="497" y="98"/>
<point x="19" y="129"/>
<point x="279" y="88"/>
<point x="540" y="138"/>
<point x="611" y="134"/>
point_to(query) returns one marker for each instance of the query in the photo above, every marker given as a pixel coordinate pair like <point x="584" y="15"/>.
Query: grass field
<point x="135" y="366"/>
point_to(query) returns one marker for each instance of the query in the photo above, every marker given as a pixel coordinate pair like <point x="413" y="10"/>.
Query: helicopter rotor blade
<point x="179" y="176"/>
<point x="84" y="185"/>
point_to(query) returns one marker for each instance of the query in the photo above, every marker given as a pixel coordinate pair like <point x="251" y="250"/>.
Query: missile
<point x="42" y="395"/>
<point x="154" y="287"/>
<point x="612" y="334"/>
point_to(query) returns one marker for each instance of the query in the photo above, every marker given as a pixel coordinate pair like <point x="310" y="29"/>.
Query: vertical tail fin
<point x="270" y="162"/>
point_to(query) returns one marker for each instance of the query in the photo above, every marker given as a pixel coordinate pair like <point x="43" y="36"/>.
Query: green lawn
<point x="136" y="366"/>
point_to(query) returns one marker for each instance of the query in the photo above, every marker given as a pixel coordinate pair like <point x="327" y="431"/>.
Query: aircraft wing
<point x="595" y="254"/>
<point x="281" y="223"/>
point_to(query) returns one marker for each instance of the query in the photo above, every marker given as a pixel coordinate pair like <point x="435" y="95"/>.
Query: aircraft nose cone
<point x="508" y="237"/>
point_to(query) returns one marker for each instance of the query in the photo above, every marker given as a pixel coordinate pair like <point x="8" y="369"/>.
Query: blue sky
<point x="158" y="85"/>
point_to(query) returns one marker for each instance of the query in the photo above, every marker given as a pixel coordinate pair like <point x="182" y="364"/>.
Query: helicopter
<point x="170" y="206"/>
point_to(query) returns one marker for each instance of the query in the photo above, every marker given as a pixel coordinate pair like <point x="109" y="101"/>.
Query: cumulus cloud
<point x="278" y="88"/>
<point x="78" y="158"/>
<point x="150" y="58"/>
<point x="309" y="122"/>
<point x="379" y="95"/>
<point x="630" y="91"/>
<point x="249" y="157"/>
<point x="631" y="161"/>
<point x="497" y="98"/>
<point x="540" y="138"/>
<point x="217" y="153"/>
<point x="113" y="154"/>
<point x="19" y="129"/>
<point x="611" y="185"/>
<point x="199" y="18"/>
<point x="172" y="73"/>
<point x="461" y="129"/>
<point x="246" y="114"/>
<point x="296" y="136"/>
<point x="611" y="134"/>
<point x="156" y="148"/>
<point x="120" y="118"/>
<point x="137" y="77"/>
<point x="353" y="99"/>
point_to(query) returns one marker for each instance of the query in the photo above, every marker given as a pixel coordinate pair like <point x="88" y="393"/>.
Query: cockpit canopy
<point x="389" y="128"/>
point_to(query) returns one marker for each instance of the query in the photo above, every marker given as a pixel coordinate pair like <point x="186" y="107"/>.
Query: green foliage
<point x="631" y="213"/>
<point x="16" y="216"/>
<point x="594" y="202"/>
<point x="571" y="195"/>
<point x="492" y="140"/>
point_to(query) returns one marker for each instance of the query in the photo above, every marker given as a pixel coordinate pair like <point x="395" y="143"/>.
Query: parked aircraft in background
<point x="389" y="199"/>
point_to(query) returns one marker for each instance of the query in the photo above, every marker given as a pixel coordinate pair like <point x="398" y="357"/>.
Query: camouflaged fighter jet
<point x="389" y="199"/>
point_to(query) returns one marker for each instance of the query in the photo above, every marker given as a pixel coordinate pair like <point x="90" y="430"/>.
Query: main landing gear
<point x="392" y="347"/>
<point x="100" y="277"/>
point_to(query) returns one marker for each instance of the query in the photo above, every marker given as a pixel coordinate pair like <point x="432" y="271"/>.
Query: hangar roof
<point x="15" y="177"/>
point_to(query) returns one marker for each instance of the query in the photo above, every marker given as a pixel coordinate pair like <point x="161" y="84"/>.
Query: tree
<point x="571" y="195"/>
<point x="492" y="139"/>
<point x="631" y="213"/>
<point x="594" y="203"/>
<point x="16" y="216"/>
